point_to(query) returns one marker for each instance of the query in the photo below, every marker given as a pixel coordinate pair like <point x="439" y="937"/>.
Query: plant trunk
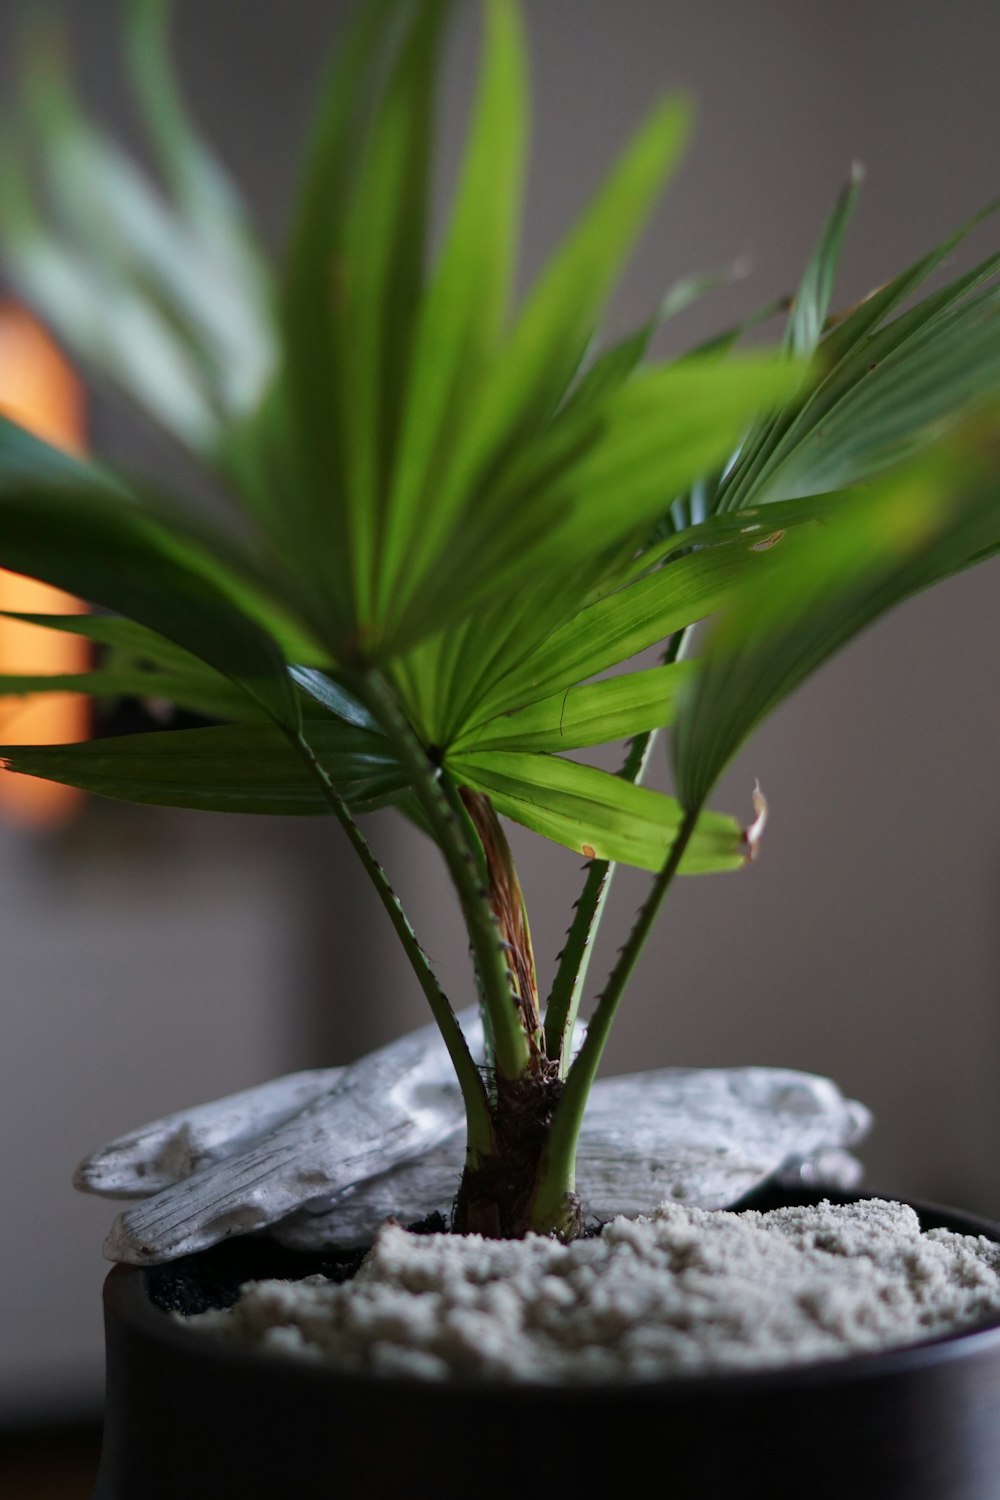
<point x="497" y="1194"/>
<point x="498" y="1190"/>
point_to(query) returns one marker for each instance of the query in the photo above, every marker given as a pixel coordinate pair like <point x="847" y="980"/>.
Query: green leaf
<point x="762" y="527"/>
<point x="268" y="593"/>
<point x="613" y="366"/>
<point x="133" y="286"/>
<point x="25" y="458"/>
<point x="145" y="664"/>
<point x="852" y="329"/>
<point x="125" y="637"/>
<point x="613" y="709"/>
<point x="617" y="627"/>
<point x="141" y="664"/>
<point x="335" y="698"/>
<point x="597" y="814"/>
<point x="722" y="343"/>
<point x="232" y="768"/>
<point x="908" y="392"/>
<point x="380" y="267"/>
<point x="540" y="545"/>
<point x="210" y="695"/>
<point x="29" y="465"/>
<point x="308" y="432"/>
<point x="217" y="307"/>
<point x="463" y="314"/>
<point x="140" y="647"/>
<point x="113" y="554"/>
<point x="885" y="545"/>
<point x="598" y="479"/>
<point x="858" y="341"/>
<point x="662" y="431"/>
<point x="549" y="340"/>
<point x="203" y="191"/>
<point x="104" y="320"/>
<point x="445" y="678"/>
<point x="812" y="301"/>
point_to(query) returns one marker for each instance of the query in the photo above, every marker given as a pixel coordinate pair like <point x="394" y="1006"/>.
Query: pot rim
<point x="126" y="1297"/>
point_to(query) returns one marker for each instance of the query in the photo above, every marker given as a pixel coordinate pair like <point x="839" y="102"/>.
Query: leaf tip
<point x="755" y="832"/>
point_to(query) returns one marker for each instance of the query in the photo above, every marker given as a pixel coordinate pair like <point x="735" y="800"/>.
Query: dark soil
<point x="213" y="1278"/>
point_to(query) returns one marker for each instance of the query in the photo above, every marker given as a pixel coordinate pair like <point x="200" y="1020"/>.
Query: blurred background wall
<point x="150" y="960"/>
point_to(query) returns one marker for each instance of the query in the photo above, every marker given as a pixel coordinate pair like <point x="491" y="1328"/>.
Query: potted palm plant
<point x="460" y="522"/>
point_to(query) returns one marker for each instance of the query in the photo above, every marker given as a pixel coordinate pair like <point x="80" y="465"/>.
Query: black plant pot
<point x="189" y="1417"/>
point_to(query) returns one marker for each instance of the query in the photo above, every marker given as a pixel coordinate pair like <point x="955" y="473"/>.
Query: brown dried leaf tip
<point x="753" y="835"/>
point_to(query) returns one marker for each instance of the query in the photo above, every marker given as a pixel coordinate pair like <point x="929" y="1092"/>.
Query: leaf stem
<point x="557" y="1179"/>
<point x="563" y="1004"/>
<point x="511" y="1050"/>
<point x="477" y="1111"/>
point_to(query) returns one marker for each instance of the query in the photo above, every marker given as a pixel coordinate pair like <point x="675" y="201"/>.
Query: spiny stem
<point x="510" y="1044"/>
<point x="479" y="1122"/>
<point x="563" y="1005"/>
<point x="558" y="1177"/>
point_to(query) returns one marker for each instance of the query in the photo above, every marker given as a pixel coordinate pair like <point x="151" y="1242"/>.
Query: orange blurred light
<point x="39" y="389"/>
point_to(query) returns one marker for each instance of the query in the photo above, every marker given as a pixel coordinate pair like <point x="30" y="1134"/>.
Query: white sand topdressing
<point x="685" y="1291"/>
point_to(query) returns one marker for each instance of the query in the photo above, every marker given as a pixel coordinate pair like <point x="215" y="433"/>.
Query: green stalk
<point x="472" y="843"/>
<point x="510" y="1044"/>
<point x="477" y="1111"/>
<point x="557" y="1180"/>
<point x="563" y="1004"/>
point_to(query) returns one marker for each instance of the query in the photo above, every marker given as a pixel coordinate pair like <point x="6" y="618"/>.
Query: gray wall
<point x="150" y="960"/>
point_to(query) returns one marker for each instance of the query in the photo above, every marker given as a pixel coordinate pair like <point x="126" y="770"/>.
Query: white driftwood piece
<point x="388" y="1107"/>
<point x="169" y="1150"/>
<point x="700" y="1136"/>
<point x="329" y="1155"/>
